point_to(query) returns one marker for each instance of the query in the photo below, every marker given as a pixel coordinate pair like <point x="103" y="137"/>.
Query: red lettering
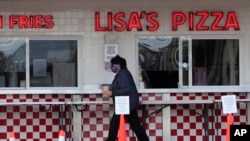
<point x="23" y="22"/>
<point x="134" y="22"/>
<point x="98" y="23"/>
<point x="218" y="16"/>
<point x="110" y="21"/>
<point x="12" y="20"/>
<point x="118" y="18"/>
<point x="118" y="23"/>
<point x="48" y="21"/>
<point x="150" y="18"/>
<point x="38" y="19"/>
<point x="178" y="18"/>
<point x="232" y="21"/>
<point x="1" y="21"/>
<point x="31" y="20"/>
<point x="191" y="21"/>
<point x="200" y="24"/>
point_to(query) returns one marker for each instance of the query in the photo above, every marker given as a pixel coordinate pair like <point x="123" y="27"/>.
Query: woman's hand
<point x="106" y="92"/>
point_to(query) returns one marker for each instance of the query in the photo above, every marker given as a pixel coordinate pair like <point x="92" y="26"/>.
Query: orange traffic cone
<point x="12" y="136"/>
<point x="229" y="122"/>
<point x="61" y="136"/>
<point x="122" y="129"/>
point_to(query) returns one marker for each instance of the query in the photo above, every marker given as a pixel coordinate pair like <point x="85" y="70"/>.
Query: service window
<point x="53" y="63"/>
<point x="39" y="61"/>
<point x="12" y="61"/>
<point x="215" y="62"/>
<point x="172" y="62"/>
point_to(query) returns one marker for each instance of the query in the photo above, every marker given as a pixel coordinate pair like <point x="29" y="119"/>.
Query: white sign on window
<point x="39" y="67"/>
<point x="122" y="105"/>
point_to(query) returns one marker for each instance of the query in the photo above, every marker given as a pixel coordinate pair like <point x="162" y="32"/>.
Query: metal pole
<point x="206" y="121"/>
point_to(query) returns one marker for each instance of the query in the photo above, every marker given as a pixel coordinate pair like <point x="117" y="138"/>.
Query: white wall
<point x="76" y="17"/>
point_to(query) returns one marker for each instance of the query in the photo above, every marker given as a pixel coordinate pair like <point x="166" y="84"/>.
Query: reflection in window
<point x="185" y="61"/>
<point x="12" y="62"/>
<point x="53" y="63"/>
<point x="215" y="62"/>
<point x="158" y="59"/>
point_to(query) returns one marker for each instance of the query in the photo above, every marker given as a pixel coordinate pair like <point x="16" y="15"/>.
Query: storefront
<point x="59" y="52"/>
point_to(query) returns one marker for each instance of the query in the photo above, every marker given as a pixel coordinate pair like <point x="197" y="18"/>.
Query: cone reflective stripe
<point x="12" y="136"/>
<point x="229" y="122"/>
<point x="122" y="129"/>
<point x="61" y="136"/>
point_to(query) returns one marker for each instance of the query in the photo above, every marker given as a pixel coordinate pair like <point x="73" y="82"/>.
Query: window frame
<point x="27" y="65"/>
<point x="190" y="87"/>
<point x="241" y="60"/>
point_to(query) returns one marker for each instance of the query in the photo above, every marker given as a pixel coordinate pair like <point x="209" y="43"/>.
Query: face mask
<point x="115" y="69"/>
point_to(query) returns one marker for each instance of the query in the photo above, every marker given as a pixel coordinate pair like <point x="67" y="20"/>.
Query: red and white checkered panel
<point x="32" y="123"/>
<point x="154" y="120"/>
<point x="96" y="120"/>
<point x="187" y="121"/>
<point x="220" y="122"/>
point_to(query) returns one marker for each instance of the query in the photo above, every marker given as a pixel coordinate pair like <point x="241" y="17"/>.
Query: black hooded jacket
<point x="124" y="85"/>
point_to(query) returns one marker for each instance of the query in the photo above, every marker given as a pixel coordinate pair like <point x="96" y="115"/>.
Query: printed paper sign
<point x="111" y="50"/>
<point x="39" y="67"/>
<point x="122" y="105"/>
<point x="229" y="104"/>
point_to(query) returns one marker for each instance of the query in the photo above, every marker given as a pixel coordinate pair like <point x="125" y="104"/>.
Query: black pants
<point x="134" y="123"/>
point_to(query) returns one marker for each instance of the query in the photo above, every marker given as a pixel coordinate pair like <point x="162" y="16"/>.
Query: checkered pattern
<point x="33" y="123"/>
<point x="154" y="121"/>
<point x="187" y="122"/>
<point x="96" y="120"/>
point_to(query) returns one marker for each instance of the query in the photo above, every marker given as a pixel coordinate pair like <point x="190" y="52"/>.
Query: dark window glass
<point x="215" y="62"/>
<point x="53" y="63"/>
<point x="158" y="59"/>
